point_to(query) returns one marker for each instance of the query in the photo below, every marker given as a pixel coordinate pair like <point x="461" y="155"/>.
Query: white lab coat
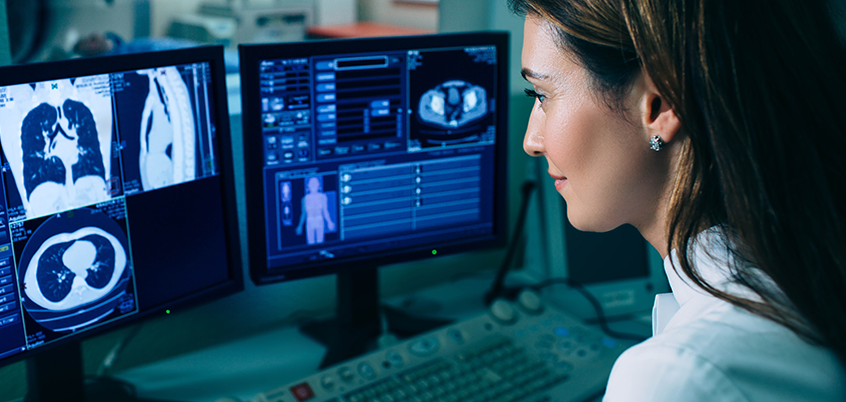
<point x="705" y="349"/>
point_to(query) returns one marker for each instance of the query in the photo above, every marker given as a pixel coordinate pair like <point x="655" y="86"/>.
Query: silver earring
<point x="656" y="143"/>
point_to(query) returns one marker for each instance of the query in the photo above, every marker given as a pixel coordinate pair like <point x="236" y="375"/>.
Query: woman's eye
<point x="532" y="94"/>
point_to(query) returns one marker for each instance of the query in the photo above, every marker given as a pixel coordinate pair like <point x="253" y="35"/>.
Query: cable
<point x="386" y="337"/>
<point x="114" y="353"/>
<point x="597" y="307"/>
<point x="496" y="289"/>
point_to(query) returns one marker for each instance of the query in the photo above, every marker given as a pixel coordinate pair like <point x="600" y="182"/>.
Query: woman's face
<point x="600" y="159"/>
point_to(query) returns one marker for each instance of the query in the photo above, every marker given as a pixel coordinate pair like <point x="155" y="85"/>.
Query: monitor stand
<point x="57" y="375"/>
<point x="358" y="323"/>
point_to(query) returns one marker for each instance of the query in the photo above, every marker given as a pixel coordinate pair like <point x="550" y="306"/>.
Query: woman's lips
<point x="560" y="181"/>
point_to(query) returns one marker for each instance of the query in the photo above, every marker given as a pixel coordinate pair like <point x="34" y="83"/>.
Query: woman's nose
<point x="533" y="139"/>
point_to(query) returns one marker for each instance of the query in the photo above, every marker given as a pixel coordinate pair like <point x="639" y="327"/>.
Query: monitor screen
<point x="373" y="151"/>
<point x="117" y="199"/>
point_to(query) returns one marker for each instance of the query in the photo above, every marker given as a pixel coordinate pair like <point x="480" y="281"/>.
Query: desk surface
<point x="248" y="366"/>
<point x="251" y="365"/>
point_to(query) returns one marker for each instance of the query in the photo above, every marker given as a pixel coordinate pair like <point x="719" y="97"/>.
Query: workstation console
<point x="366" y="152"/>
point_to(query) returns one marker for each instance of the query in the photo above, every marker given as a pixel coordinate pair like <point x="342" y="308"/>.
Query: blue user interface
<point x="372" y="152"/>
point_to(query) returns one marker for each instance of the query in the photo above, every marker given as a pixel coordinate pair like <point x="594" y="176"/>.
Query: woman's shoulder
<point x="653" y="371"/>
<point x="727" y="354"/>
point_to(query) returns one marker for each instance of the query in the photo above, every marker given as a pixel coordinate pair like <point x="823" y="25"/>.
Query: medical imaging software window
<point x="371" y="152"/>
<point x="74" y="154"/>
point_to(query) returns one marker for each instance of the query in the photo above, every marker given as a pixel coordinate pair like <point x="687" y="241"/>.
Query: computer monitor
<point x="117" y="202"/>
<point x="619" y="268"/>
<point x="366" y="152"/>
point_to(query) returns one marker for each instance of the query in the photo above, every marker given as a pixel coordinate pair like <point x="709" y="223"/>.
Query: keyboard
<point x="517" y="351"/>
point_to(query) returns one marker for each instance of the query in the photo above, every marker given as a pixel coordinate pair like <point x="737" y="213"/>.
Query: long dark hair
<point x="759" y="87"/>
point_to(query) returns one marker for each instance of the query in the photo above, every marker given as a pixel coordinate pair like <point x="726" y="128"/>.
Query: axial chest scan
<point x="85" y="265"/>
<point x="74" y="269"/>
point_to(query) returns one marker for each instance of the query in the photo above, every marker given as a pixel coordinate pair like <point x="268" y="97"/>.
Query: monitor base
<point x="358" y="324"/>
<point x="57" y="375"/>
<point x="105" y="389"/>
<point x="111" y="389"/>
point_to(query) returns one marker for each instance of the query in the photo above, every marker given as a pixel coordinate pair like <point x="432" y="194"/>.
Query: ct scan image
<point x="74" y="269"/>
<point x="451" y="106"/>
<point x="157" y="129"/>
<point x="56" y="139"/>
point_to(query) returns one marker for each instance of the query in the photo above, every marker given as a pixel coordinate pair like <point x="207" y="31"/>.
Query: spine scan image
<point x="453" y="104"/>
<point x="167" y="131"/>
<point x="56" y="136"/>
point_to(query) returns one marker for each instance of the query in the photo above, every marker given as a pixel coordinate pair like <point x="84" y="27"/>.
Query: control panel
<point x="517" y="351"/>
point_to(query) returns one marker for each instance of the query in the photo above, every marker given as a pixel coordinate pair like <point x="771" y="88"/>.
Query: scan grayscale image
<point x="74" y="270"/>
<point x="167" y="131"/>
<point x="451" y="107"/>
<point x="56" y="137"/>
<point x="453" y="104"/>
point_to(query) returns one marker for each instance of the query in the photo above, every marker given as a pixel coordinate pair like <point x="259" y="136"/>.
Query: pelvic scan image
<point x="451" y="107"/>
<point x="167" y="131"/>
<point x="56" y="137"/>
<point x="453" y="104"/>
<point x="75" y="270"/>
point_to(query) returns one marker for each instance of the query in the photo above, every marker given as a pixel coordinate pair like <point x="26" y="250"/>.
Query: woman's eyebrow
<point x="526" y="73"/>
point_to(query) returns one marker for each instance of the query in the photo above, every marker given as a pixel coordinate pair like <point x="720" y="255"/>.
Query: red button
<point x="302" y="392"/>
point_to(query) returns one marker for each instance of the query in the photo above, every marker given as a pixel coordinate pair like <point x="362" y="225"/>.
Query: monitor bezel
<point x="45" y="71"/>
<point x="250" y="57"/>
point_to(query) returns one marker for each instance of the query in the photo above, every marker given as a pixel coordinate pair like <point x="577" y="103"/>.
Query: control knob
<point x="503" y="312"/>
<point x="530" y="301"/>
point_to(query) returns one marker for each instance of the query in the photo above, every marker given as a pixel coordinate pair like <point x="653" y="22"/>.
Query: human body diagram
<point x="315" y="213"/>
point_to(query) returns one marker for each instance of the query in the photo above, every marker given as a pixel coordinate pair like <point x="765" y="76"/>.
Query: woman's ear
<point x="658" y="117"/>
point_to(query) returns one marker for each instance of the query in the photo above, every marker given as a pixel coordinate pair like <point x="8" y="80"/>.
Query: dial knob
<point x="530" y="301"/>
<point x="503" y="311"/>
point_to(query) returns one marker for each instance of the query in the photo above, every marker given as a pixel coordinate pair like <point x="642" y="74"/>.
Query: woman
<point x="718" y="129"/>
